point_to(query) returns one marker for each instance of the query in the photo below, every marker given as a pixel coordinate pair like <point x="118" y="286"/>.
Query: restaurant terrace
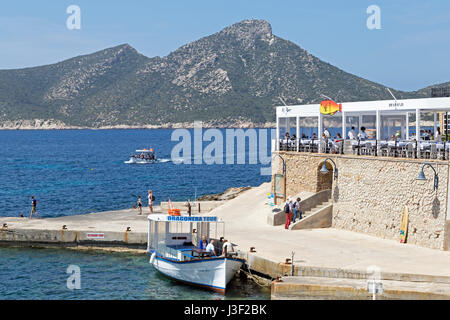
<point x="412" y="128"/>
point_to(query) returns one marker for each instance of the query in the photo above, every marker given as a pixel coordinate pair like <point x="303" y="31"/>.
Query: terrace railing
<point x="423" y="149"/>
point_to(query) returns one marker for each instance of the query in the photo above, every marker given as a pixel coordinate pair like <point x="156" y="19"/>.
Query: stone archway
<point x="324" y="180"/>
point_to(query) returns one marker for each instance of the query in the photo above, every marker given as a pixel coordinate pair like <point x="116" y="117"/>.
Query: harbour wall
<point x="370" y="193"/>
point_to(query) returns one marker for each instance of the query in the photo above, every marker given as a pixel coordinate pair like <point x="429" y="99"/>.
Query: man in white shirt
<point x="352" y="134"/>
<point x="362" y="135"/>
<point x="210" y="247"/>
<point x="227" y="247"/>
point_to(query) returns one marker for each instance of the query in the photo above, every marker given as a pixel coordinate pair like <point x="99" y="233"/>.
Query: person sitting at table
<point x="294" y="137"/>
<point x="314" y="136"/>
<point x="304" y="136"/>
<point x="437" y="135"/>
<point x="426" y="136"/>
<point x="413" y="137"/>
<point x="352" y="134"/>
<point x="210" y="248"/>
<point x="287" y="136"/>
<point x="393" y="138"/>
<point x="338" y="138"/>
<point x="362" y="135"/>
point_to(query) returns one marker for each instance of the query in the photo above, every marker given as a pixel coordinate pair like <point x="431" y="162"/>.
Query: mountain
<point x="231" y="78"/>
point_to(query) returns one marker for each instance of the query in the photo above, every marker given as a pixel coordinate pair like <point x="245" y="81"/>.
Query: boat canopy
<point x="145" y="151"/>
<point x="169" y="234"/>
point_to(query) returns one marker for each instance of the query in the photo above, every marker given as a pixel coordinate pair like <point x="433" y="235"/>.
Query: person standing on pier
<point x="139" y="205"/>
<point x="151" y="198"/>
<point x="189" y="208"/>
<point x="33" y="207"/>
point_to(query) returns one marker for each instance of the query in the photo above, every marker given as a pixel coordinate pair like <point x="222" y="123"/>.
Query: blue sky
<point x="410" y="51"/>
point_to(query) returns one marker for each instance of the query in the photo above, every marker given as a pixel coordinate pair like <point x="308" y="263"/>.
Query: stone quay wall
<point x="370" y="193"/>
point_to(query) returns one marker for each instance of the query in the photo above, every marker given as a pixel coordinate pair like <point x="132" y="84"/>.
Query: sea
<point x="73" y="172"/>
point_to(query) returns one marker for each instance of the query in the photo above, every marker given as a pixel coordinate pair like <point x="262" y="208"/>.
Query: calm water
<point x="42" y="274"/>
<point x="81" y="171"/>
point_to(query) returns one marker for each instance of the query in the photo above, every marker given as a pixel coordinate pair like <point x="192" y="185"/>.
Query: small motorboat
<point x="173" y="246"/>
<point x="143" y="156"/>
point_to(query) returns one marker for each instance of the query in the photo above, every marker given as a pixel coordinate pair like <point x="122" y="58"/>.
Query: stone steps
<point x="314" y="210"/>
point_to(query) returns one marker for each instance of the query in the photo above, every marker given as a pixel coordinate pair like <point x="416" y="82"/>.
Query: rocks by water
<point x="228" y="194"/>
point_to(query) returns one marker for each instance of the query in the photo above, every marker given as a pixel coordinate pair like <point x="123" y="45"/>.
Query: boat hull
<point x="213" y="274"/>
<point x="140" y="161"/>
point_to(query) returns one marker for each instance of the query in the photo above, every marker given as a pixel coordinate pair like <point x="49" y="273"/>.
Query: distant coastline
<point x="51" y="124"/>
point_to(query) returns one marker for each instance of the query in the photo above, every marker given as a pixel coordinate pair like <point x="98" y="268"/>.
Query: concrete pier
<point x="122" y="229"/>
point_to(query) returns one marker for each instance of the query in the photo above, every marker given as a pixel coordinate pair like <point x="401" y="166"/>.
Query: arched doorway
<point x="324" y="180"/>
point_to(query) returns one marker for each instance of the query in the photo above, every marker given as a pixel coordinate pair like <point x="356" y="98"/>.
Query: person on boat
<point x="203" y="243"/>
<point x="139" y="205"/>
<point x="152" y="156"/>
<point x="227" y="248"/>
<point x="210" y="248"/>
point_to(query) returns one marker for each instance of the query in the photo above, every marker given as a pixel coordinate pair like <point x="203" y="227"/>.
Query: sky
<point x="409" y="51"/>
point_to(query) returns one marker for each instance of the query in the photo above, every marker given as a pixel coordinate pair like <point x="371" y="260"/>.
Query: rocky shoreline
<point x="228" y="194"/>
<point x="52" y="124"/>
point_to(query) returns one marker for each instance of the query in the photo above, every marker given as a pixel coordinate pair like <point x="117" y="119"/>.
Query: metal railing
<point x="423" y="149"/>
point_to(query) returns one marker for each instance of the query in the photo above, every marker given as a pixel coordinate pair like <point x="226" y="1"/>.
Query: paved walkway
<point x="246" y="225"/>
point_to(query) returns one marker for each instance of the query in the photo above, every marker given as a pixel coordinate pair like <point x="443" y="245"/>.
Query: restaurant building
<point x="398" y="161"/>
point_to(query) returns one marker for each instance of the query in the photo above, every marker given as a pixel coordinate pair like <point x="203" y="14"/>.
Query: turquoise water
<point x="42" y="274"/>
<point x="73" y="172"/>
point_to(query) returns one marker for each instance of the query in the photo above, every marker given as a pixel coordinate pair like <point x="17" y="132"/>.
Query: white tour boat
<point x="173" y="244"/>
<point x="143" y="156"/>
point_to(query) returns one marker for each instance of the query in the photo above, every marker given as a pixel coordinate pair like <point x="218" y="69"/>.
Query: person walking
<point x="297" y="211"/>
<point x="139" y="205"/>
<point x="288" y="209"/>
<point x="33" y="207"/>
<point x="151" y="198"/>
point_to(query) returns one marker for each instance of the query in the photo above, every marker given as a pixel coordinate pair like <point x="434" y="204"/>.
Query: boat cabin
<point x="178" y="237"/>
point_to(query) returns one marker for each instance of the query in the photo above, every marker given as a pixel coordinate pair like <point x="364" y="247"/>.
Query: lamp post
<point x="284" y="164"/>
<point x="422" y="177"/>
<point x="324" y="169"/>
